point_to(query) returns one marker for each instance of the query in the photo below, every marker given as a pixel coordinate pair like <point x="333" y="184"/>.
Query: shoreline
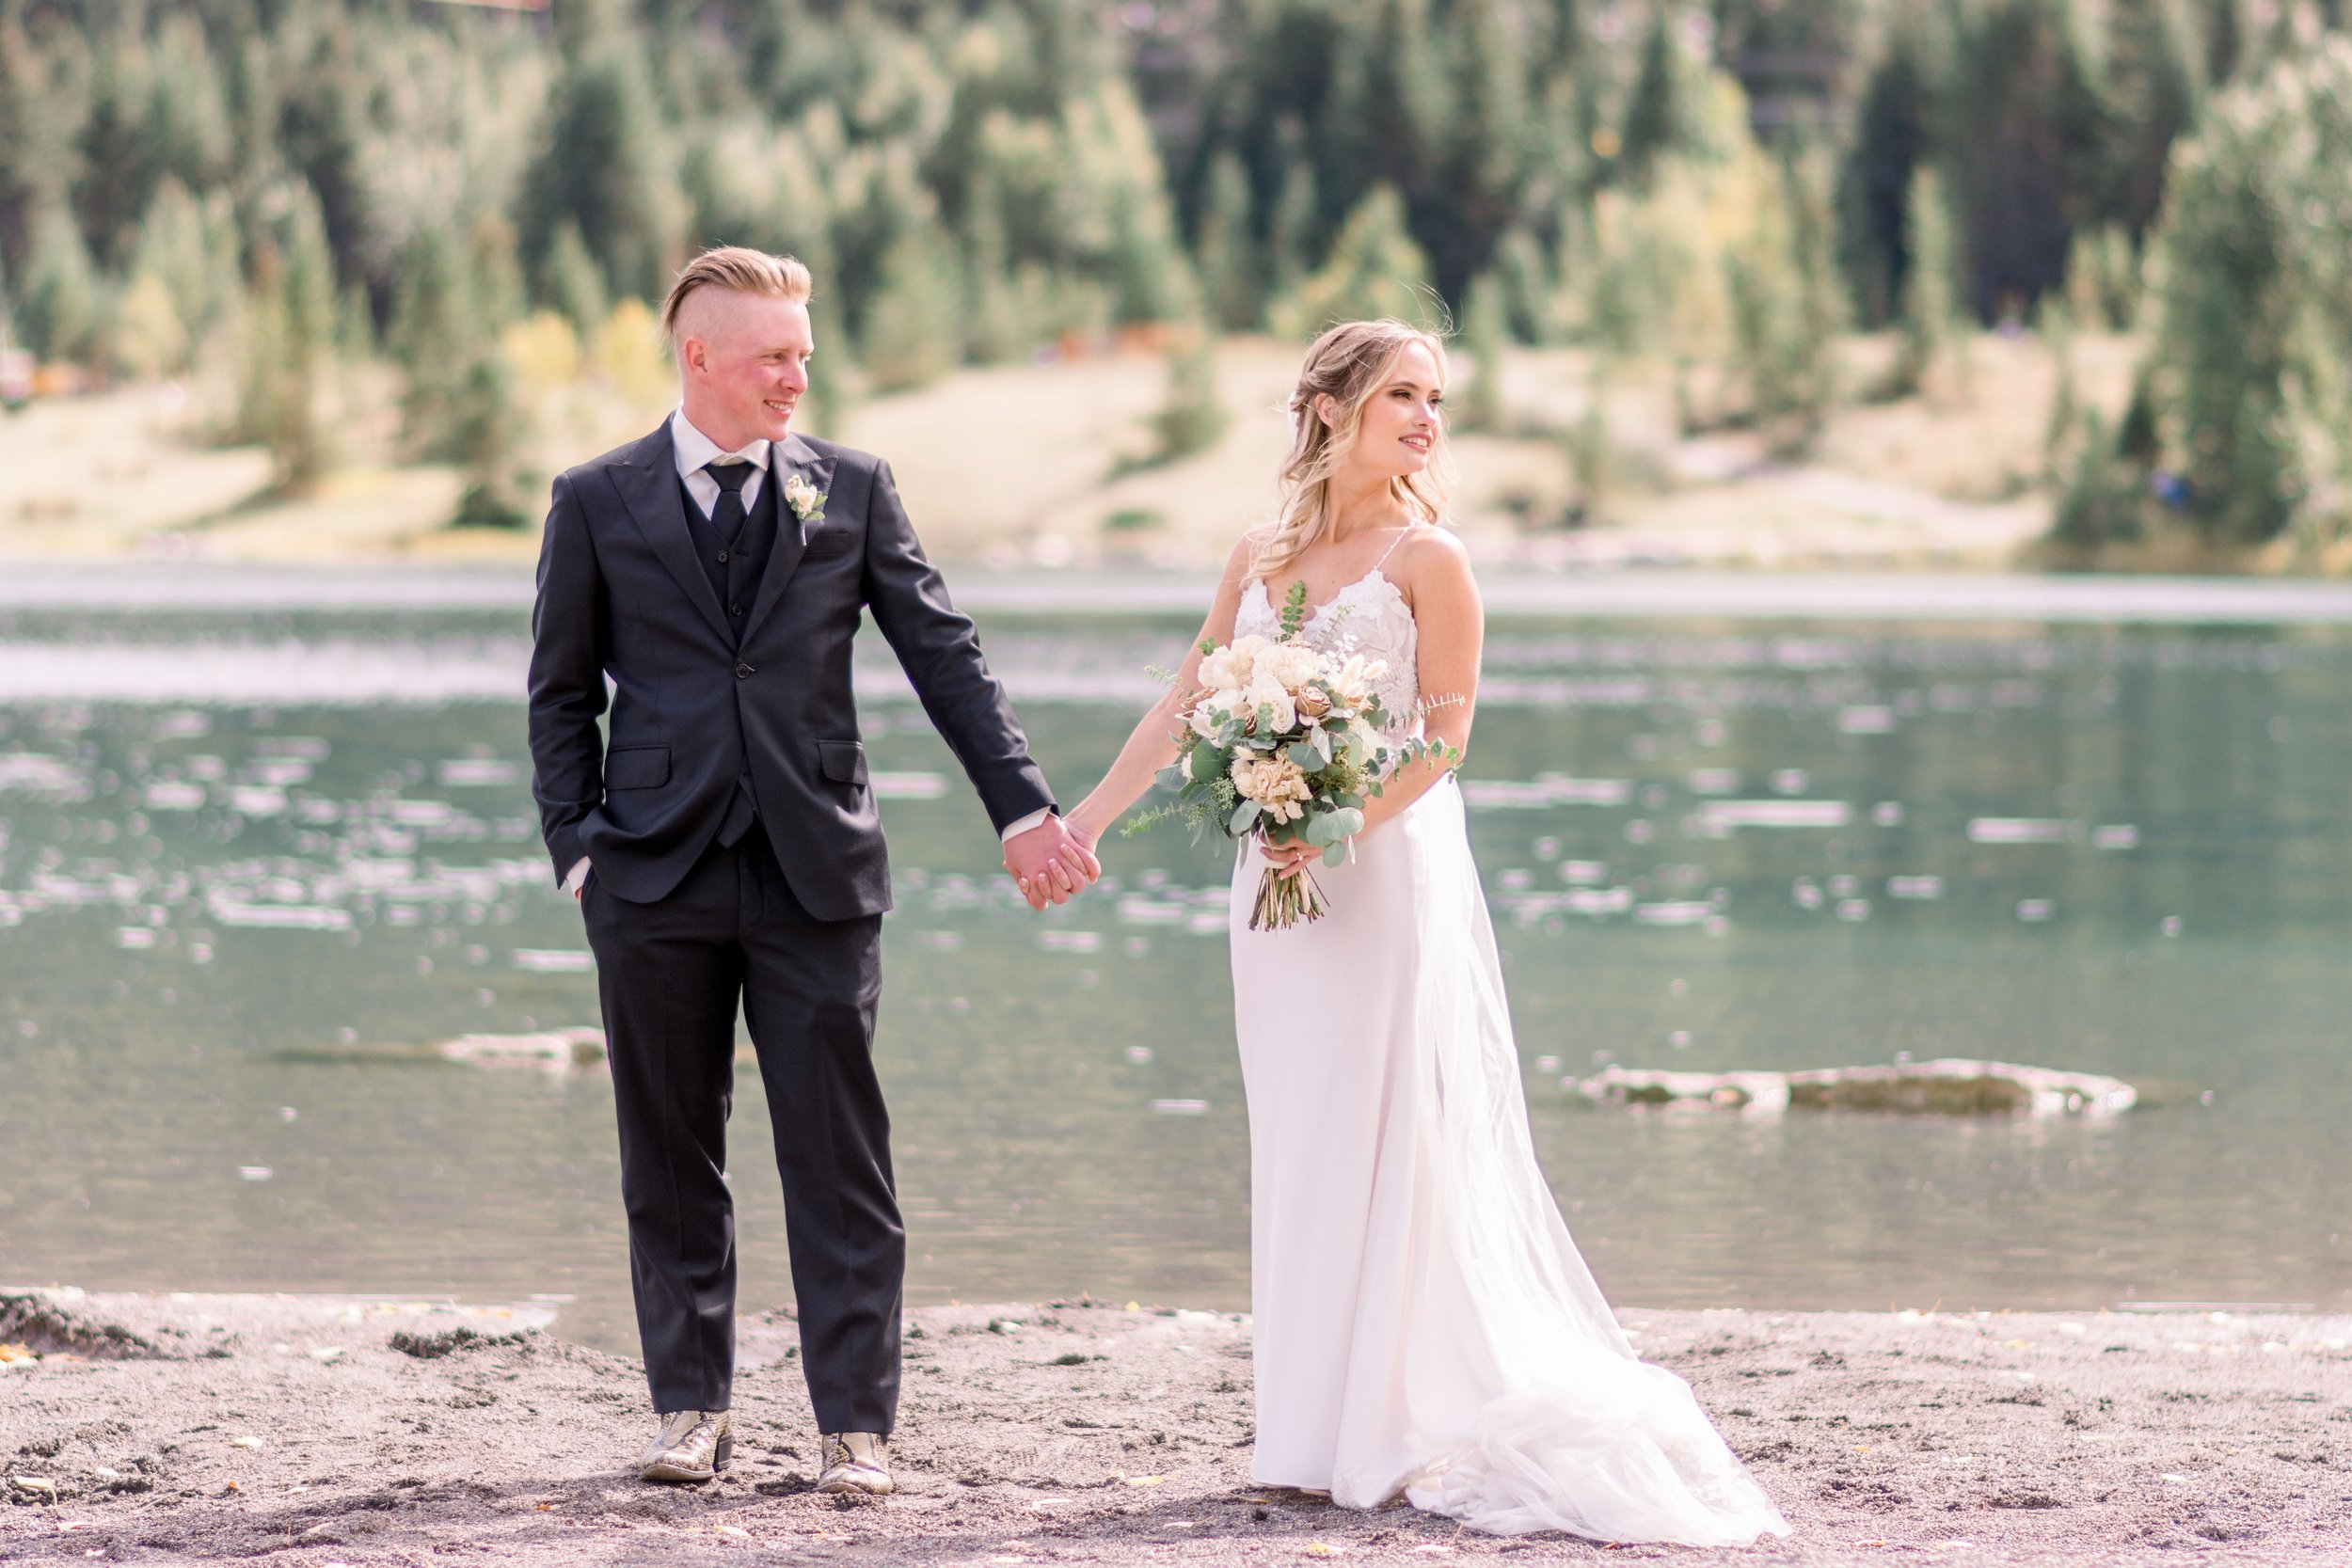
<point x="367" y="1430"/>
<point x="1866" y="594"/>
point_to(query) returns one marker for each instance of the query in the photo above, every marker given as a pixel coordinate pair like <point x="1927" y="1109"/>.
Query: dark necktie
<point x="727" y="525"/>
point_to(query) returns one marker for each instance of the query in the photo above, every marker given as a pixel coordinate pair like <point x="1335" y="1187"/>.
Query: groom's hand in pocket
<point x="1049" y="864"/>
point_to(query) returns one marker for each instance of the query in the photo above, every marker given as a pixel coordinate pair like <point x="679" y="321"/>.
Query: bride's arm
<point x="1451" y="620"/>
<point x="1152" y="745"/>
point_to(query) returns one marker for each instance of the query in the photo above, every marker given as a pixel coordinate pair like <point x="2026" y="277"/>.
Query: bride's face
<point x="1400" y="424"/>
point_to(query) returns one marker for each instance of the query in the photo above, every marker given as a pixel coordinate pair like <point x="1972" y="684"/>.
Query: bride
<point x="1424" y="1326"/>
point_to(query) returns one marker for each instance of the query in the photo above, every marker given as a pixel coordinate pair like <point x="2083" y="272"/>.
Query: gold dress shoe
<point x="855" y="1463"/>
<point x="692" y="1445"/>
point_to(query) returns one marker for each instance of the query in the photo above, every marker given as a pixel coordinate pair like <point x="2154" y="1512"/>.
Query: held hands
<point x="1050" y="863"/>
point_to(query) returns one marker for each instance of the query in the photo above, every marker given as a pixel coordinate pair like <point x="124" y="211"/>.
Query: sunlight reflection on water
<point x="232" y="846"/>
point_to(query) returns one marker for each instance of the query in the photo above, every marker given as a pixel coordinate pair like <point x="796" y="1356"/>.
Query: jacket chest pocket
<point x="842" y="761"/>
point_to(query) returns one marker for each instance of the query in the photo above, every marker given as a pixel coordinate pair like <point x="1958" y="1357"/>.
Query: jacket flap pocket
<point x="826" y="541"/>
<point x="842" y="761"/>
<point x="636" y="766"/>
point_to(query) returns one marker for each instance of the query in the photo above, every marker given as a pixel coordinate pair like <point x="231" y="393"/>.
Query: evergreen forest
<point x="457" y="195"/>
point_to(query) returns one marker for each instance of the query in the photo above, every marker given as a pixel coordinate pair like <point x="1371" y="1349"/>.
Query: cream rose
<point x="1229" y="667"/>
<point x="1288" y="665"/>
<point x="1275" y="782"/>
<point x="1265" y="693"/>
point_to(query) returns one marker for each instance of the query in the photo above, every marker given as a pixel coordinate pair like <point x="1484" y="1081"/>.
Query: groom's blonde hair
<point x="739" y="268"/>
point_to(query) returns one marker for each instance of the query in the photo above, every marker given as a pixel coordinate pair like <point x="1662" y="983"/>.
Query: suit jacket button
<point x="741" y="671"/>
<point x="735" y="610"/>
<point x="722" y="558"/>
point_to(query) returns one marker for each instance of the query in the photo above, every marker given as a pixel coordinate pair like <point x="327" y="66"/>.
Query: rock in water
<point x="549" y="1050"/>
<point x="1950" y="1086"/>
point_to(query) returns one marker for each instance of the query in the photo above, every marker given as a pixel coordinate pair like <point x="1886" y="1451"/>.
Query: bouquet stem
<point x="1284" y="901"/>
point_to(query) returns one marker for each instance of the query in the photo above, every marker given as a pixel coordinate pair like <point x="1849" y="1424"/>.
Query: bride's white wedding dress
<point x="1423" y="1322"/>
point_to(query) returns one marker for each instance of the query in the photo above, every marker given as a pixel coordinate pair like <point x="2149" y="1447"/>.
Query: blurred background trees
<point x="468" y="197"/>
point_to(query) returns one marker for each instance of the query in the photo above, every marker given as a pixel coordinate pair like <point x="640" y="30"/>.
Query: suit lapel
<point x="649" y="487"/>
<point x="788" y="457"/>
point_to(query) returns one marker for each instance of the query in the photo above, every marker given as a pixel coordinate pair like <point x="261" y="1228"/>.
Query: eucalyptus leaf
<point x="1336" y="854"/>
<point x="1245" y="816"/>
<point x="1347" y="821"/>
<point x="1303" y="756"/>
<point x="1170" y="777"/>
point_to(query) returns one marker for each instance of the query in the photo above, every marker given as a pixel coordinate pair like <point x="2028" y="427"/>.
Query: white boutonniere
<point x="806" y="501"/>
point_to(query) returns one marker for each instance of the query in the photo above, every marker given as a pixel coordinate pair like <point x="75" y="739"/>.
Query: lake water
<point x="253" y="850"/>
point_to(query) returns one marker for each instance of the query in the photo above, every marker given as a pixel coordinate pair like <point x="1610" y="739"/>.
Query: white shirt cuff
<point x="1034" y="819"/>
<point x="577" y="877"/>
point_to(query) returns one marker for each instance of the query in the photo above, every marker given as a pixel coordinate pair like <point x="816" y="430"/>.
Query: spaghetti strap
<point x="1392" y="549"/>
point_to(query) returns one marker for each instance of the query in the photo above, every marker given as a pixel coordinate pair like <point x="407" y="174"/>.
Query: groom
<point x="725" y="846"/>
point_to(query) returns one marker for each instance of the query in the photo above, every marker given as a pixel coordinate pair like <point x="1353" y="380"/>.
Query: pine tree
<point x="1788" y="308"/>
<point x="2152" y="86"/>
<point x="2224" y="40"/>
<point x="436" y="336"/>
<point x="62" y="308"/>
<point x="484" y="435"/>
<point x="997" y="326"/>
<point x="289" y="326"/>
<point x="570" y="282"/>
<point x="1229" y="267"/>
<point x="1192" y="417"/>
<point x="1374" y="269"/>
<point x="1524" y="278"/>
<point x="604" y="167"/>
<point x="44" y="98"/>
<point x="1656" y="112"/>
<point x="2246" y="364"/>
<point x="1384" y="122"/>
<point x="144" y="336"/>
<point x="322" y="133"/>
<point x="494" y="273"/>
<point x="117" y="175"/>
<point x="1291" y="231"/>
<point x="1479" y="404"/>
<point x="2100" y="500"/>
<point x="1891" y="137"/>
<point x="1930" y="318"/>
<point x="911" y="327"/>
<point x="1482" y="161"/>
<point x="2029" y="162"/>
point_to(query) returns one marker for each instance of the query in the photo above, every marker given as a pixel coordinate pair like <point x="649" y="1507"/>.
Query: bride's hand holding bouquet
<point x="1282" y="744"/>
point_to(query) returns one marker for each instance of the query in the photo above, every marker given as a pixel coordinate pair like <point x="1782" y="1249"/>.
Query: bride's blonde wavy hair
<point x="1347" y="364"/>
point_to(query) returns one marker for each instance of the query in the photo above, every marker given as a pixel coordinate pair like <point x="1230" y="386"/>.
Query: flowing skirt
<point x="1424" y="1324"/>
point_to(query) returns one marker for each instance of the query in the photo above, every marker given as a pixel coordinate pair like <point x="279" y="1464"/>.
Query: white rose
<point x="1265" y="694"/>
<point x="1288" y="665"/>
<point x="1227" y="669"/>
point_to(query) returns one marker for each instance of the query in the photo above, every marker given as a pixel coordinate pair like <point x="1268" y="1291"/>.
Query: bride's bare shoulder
<point x="1244" y="552"/>
<point x="1431" y="557"/>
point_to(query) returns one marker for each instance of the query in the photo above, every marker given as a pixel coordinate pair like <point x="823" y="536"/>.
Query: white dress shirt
<point x="694" y="451"/>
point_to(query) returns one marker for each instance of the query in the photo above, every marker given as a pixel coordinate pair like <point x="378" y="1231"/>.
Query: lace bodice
<point x="1368" y="617"/>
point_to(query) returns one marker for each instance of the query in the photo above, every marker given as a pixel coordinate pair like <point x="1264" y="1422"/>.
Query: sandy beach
<point x="317" y="1429"/>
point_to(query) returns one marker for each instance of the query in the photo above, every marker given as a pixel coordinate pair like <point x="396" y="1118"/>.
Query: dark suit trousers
<point x="670" y="973"/>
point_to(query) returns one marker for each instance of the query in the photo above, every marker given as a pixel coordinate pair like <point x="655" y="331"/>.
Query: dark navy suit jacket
<point x="623" y="595"/>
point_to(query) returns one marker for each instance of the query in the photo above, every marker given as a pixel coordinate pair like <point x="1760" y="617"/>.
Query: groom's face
<point x="744" y="363"/>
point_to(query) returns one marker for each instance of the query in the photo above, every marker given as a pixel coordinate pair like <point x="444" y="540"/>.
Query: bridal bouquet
<point x="1282" y="741"/>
